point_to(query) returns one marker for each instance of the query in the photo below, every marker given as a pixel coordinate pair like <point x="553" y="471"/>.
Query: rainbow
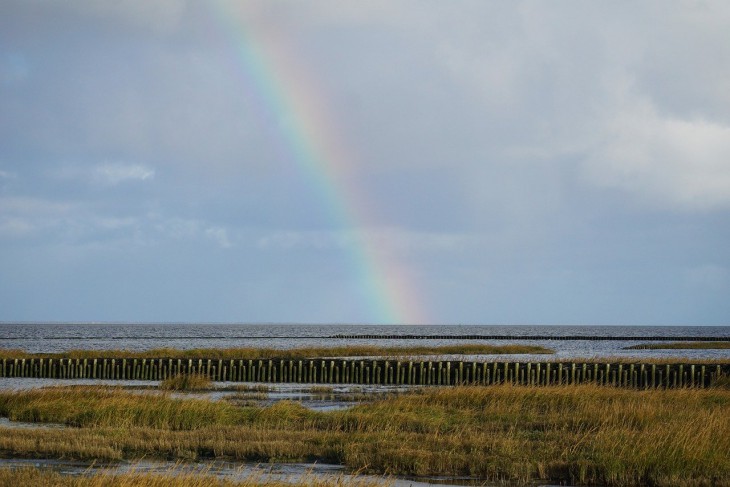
<point x="288" y="91"/>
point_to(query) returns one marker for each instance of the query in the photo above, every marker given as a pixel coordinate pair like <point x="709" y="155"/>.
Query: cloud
<point x="23" y="205"/>
<point x="104" y="174"/>
<point x="483" y="142"/>
<point x="161" y="227"/>
<point x="161" y="16"/>
<point x="384" y="239"/>
<point x="175" y="227"/>
<point x="220" y="236"/>
<point x="14" y="227"/>
<point x="669" y="161"/>
<point x="116" y="223"/>
<point x="79" y="225"/>
<point x="116" y="173"/>
<point x="22" y="217"/>
<point x="319" y="240"/>
<point x="321" y="12"/>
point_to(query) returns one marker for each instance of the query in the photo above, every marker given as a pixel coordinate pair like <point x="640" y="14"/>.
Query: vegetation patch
<point x="95" y="407"/>
<point x="574" y="434"/>
<point x="187" y="382"/>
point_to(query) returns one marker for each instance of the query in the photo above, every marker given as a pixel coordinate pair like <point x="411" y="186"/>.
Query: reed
<point x="578" y="434"/>
<point x="90" y="407"/>
<point x="186" y="382"/>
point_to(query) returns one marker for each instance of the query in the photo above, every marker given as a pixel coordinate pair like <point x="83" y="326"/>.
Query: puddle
<point x="313" y="396"/>
<point x="235" y="471"/>
<point x="27" y="383"/>
<point x="6" y="423"/>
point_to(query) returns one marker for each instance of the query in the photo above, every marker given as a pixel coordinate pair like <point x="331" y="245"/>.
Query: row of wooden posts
<point x="384" y="372"/>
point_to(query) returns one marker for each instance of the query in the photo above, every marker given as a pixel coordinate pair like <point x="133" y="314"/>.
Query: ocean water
<point x="59" y="337"/>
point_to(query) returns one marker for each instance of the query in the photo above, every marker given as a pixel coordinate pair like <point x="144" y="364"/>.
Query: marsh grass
<point x="681" y="346"/>
<point x="266" y="353"/>
<point x="31" y="476"/>
<point x="722" y="381"/>
<point x="186" y="382"/>
<point x="93" y="407"/>
<point x="577" y="434"/>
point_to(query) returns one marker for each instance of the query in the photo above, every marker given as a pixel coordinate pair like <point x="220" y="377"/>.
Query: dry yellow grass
<point x="186" y="382"/>
<point x="90" y="406"/>
<point x="578" y="434"/>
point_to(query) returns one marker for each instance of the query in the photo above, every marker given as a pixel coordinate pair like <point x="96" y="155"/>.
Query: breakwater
<point x="373" y="371"/>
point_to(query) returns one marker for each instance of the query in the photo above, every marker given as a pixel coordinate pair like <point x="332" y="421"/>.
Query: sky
<point x="389" y="161"/>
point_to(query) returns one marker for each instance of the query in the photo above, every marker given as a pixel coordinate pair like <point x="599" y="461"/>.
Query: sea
<point x="60" y="337"/>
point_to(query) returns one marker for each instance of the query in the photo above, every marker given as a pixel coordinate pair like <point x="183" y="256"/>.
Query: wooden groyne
<point x="380" y="371"/>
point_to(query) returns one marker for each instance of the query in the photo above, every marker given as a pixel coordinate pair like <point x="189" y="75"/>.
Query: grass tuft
<point x="186" y="382"/>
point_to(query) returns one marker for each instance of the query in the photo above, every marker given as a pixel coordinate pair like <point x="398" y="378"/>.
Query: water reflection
<point x="238" y="471"/>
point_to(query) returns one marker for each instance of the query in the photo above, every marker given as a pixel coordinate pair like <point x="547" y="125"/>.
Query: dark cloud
<point x="525" y="162"/>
